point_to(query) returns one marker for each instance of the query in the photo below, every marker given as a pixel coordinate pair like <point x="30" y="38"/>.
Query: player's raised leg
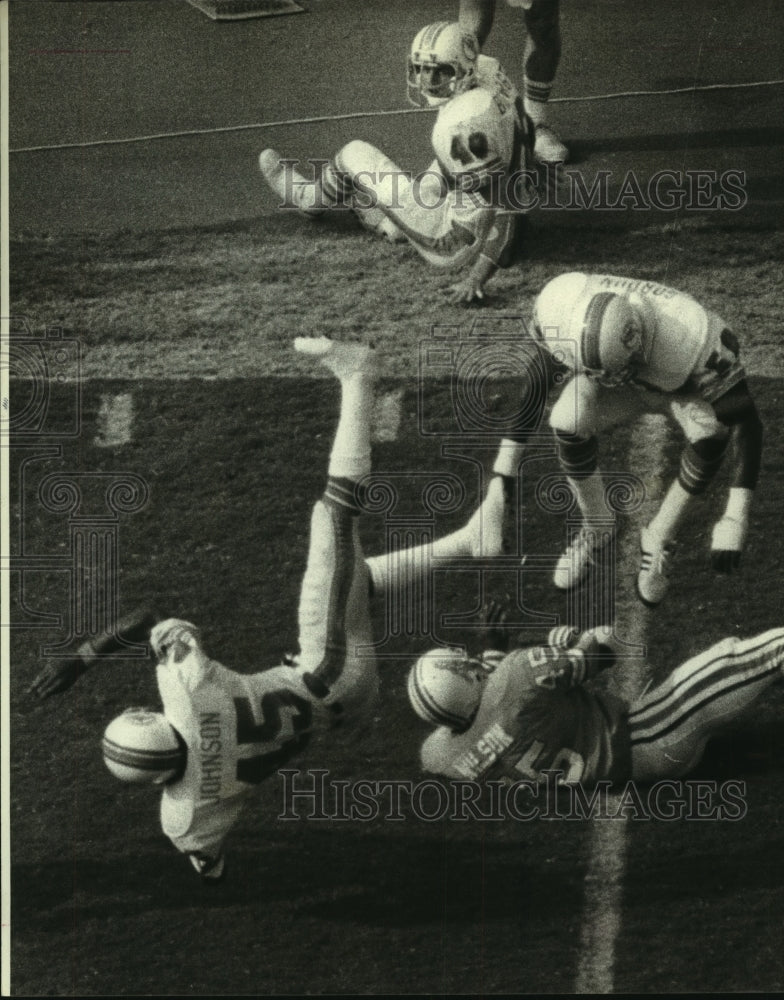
<point x="671" y="723"/>
<point x="336" y="657"/>
<point x="311" y="196"/>
<point x="483" y="536"/>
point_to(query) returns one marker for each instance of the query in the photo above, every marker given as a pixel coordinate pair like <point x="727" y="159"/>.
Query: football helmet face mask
<point x="445" y="688"/>
<point x="143" y="748"/>
<point x="470" y="141"/>
<point x="603" y="338"/>
<point x="441" y="64"/>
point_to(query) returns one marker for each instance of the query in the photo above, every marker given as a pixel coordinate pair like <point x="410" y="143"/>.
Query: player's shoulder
<point x="437" y="751"/>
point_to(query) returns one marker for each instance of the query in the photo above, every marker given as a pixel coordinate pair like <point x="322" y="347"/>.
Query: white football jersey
<point x="239" y="729"/>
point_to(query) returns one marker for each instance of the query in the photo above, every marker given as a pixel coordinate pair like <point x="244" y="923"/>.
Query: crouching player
<point x="637" y="346"/>
<point x="465" y="213"/>
<point x="221" y="732"/>
<point x="537" y="710"/>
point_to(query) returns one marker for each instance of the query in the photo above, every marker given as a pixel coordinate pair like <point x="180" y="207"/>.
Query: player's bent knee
<point x="358" y="155"/>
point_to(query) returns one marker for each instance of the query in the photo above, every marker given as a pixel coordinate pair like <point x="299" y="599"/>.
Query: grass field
<point x="230" y="431"/>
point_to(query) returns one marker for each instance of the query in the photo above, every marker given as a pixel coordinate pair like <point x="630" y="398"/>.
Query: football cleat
<point x="288" y="189"/>
<point x="548" y="148"/>
<point x="589" y="542"/>
<point x="343" y="358"/>
<point x="653" y="578"/>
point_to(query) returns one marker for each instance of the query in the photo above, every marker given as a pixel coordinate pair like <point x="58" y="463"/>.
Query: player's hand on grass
<point x="729" y="536"/>
<point x="465" y="292"/>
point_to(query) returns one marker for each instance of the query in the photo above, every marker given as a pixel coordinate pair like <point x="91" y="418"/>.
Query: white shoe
<point x="589" y="542"/>
<point x="548" y="148"/>
<point x="343" y="358"/>
<point x="653" y="579"/>
<point x="274" y="174"/>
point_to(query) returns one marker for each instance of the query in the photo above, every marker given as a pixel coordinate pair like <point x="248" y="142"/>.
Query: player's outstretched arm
<point x="62" y="673"/>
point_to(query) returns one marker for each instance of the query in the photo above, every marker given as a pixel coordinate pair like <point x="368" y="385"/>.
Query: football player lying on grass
<point x="633" y="347"/>
<point x="221" y="732"/>
<point x="466" y="212"/>
<point x="513" y="716"/>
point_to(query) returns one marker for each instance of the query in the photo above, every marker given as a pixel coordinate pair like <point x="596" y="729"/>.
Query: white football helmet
<point x="143" y="748"/>
<point x="600" y="334"/>
<point x="441" y="63"/>
<point x="445" y="688"/>
<point x="471" y="139"/>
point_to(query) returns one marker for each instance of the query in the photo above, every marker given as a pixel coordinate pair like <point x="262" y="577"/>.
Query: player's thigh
<point x="377" y="179"/>
<point x="585" y="407"/>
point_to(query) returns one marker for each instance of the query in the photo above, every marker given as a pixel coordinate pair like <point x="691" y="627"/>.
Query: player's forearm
<point x="747" y="441"/>
<point x="482" y="271"/>
<point x="477" y="16"/>
<point x="61" y="674"/>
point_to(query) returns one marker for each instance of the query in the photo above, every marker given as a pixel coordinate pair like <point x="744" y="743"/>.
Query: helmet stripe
<point x="433" y="33"/>
<point x="592" y="328"/>
<point x="143" y="760"/>
<point x="430" y="709"/>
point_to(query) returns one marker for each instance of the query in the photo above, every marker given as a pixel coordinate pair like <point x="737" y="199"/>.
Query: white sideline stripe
<point x="387" y="414"/>
<point x="602" y="907"/>
<point x="382" y="114"/>
<point x="115" y="420"/>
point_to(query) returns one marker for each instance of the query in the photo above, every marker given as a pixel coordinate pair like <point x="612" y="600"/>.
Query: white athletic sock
<point x="350" y="455"/>
<point x="507" y="461"/>
<point x="666" y="520"/>
<point x="481" y="537"/>
<point x="589" y="491"/>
